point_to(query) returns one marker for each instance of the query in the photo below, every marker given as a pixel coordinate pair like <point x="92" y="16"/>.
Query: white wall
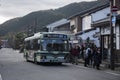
<point x="117" y="37"/>
<point x="86" y="22"/>
<point x="101" y="14"/>
<point x="72" y="22"/>
<point x="118" y="12"/>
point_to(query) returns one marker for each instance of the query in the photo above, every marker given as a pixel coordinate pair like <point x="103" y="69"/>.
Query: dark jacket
<point x="74" y="52"/>
<point x="97" y="57"/>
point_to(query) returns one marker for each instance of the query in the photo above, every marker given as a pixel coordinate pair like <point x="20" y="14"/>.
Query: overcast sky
<point x="17" y="8"/>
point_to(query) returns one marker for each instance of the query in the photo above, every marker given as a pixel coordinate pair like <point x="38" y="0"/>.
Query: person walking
<point x="91" y="53"/>
<point x="82" y="51"/>
<point x="74" y="55"/>
<point x="78" y="48"/>
<point x="87" y="56"/>
<point x="90" y="56"/>
<point x="97" y="59"/>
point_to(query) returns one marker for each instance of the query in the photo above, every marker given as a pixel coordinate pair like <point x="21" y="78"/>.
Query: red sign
<point x="114" y="8"/>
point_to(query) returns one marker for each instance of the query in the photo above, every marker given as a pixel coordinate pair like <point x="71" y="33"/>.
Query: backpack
<point x="89" y="52"/>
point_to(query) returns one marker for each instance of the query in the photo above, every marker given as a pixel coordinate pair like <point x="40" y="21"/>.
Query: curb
<point x="104" y="66"/>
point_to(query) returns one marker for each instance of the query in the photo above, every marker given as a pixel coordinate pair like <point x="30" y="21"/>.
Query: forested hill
<point x="45" y="17"/>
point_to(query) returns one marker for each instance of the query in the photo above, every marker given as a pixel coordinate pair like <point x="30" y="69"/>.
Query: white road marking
<point x="0" y="77"/>
<point x="113" y="73"/>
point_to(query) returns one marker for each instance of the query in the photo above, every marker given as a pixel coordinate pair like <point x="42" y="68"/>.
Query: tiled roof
<point x="58" y="23"/>
<point x="89" y="11"/>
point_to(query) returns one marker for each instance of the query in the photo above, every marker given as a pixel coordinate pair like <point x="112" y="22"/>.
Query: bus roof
<point x="40" y="34"/>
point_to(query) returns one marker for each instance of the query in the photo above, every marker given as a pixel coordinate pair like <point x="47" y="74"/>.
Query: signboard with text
<point x="114" y="9"/>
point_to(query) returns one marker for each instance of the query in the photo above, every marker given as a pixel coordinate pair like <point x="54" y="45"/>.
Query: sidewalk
<point x="104" y="66"/>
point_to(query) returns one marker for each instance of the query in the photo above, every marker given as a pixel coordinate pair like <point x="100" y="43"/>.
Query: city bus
<point x="45" y="47"/>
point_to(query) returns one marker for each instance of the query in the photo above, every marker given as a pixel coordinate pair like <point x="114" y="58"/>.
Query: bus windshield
<point x="54" y="45"/>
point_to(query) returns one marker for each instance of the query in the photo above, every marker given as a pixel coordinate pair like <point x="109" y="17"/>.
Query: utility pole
<point x="35" y="25"/>
<point x="111" y="38"/>
<point x="27" y="30"/>
<point x="113" y="10"/>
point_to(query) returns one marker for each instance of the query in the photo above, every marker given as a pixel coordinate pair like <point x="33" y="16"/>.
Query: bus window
<point x="49" y="47"/>
<point x="54" y="45"/>
<point x="36" y="46"/>
<point x="43" y="45"/>
<point x="31" y="44"/>
<point x="27" y="45"/>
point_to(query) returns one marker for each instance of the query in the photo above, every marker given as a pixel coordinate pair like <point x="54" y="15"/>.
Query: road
<point x="14" y="67"/>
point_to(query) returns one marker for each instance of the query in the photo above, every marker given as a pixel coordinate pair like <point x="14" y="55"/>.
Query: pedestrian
<point x="87" y="56"/>
<point x="82" y="51"/>
<point x="91" y="53"/>
<point x="97" y="59"/>
<point x="74" y="55"/>
<point x="78" y="48"/>
<point x="90" y="56"/>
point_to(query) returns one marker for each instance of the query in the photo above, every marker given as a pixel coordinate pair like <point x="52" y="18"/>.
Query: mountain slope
<point x="45" y="17"/>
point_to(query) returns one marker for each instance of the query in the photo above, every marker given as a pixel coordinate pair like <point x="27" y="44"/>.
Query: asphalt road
<point x="14" y="67"/>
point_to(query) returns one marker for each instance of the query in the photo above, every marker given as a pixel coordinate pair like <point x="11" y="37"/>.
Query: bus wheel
<point x="60" y="63"/>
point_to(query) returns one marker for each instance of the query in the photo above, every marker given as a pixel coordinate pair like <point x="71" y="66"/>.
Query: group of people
<point x="90" y="54"/>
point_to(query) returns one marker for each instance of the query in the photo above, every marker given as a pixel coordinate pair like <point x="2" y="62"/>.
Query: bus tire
<point x="60" y="63"/>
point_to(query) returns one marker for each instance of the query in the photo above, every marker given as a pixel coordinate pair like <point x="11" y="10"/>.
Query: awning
<point x="101" y="23"/>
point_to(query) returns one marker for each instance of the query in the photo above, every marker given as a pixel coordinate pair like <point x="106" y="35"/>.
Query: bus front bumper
<point x="58" y="59"/>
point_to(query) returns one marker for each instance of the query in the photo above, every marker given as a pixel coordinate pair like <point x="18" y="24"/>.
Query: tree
<point x="19" y="39"/>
